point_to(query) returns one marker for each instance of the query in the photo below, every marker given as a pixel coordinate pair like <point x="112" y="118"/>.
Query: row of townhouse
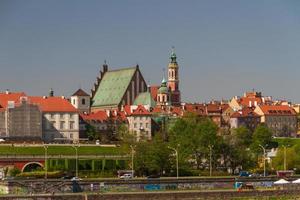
<point x="48" y="119"/>
<point x="253" y="109"/>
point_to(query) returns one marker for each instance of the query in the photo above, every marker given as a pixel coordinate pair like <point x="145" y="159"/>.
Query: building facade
<point x="281" y="119"/>
<point x="81" y="101"/>
<point x="139" y="122"/>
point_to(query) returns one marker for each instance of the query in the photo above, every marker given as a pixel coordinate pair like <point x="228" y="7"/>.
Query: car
<point x="76" y="179"/>
<point x="126" y="176"/>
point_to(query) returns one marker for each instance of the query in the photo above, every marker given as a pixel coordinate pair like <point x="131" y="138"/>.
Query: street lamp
<point x="132" y="151"/>
<point x="284" y="158"/>
<point x="210" y="159"/>
<point x="76" y="153"/>
<point x="176" y="154"/>
<point x="45" y="165"/>
<point x="264" y="150"/>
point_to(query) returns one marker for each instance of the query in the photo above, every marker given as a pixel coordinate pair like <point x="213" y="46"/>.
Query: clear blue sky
<point x="224" y="47"/>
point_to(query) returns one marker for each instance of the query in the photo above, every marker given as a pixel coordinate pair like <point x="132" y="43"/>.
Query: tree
<point x="152" y="157"/>
<point x="91" y="132"/>
<point x="194" y="137"/>
<point x="262" y="136"/>
<point x="238" y="152"/>
<point x="241" y="137"/>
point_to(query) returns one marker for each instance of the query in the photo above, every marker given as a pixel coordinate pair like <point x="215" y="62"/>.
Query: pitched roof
<point x="97" y="116"/>
<point x="80" y="92"/>
<point x="140" y="110"/>
<point x="245" y="101"/>
<point x="113" y="87"/>
<point x="4" y="98"/>
<point x="144" y="98"/>
<point x="213" y="108"/>
<point x="277" y="110"/>
<point x="245" y="112"/>
<point x="53" y="104"/>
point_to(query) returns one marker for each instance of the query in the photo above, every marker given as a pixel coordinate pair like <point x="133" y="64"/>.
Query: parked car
<point x="126" y="176"/>
<point x="76" y="179"/>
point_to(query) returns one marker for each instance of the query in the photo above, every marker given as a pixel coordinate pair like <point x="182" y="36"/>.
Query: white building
<point x="81" y="101"/>
<point x="60" y="119"/>
<point x="140" y="123"/>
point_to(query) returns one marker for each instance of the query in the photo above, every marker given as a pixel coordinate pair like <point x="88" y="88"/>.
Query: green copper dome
<point x="163" y="88"/>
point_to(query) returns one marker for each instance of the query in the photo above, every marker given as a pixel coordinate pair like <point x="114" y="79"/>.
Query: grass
<point x="287" y="141"/>
<point x="61" y="150"/>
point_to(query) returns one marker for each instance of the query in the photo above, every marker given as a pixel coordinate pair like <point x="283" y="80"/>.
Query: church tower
<point x="173" y="80"/>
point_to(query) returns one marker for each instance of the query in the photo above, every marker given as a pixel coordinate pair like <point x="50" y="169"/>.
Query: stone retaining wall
<point x="184" y="195"/>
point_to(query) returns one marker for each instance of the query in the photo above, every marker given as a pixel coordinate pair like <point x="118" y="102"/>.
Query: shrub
<point x="14" y="171"/>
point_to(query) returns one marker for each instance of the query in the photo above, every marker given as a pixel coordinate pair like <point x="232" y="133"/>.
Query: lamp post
<point x="176" y="154"/>
<point x="76" y="158"/>
<point x="264" y="150"/>
<point x="132" y="151"/>
<point x="45" y="165"/>
<point x="210" y="159"/>
<point x="284" y="159"/>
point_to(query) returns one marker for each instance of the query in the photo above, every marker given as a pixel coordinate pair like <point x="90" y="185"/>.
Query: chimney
<point x="255" y="103"/>
<point x="44" y="97"/>
<point x="250" y="104"/>
<point x="7" y="91"/>
<point x="63" y="97"/>
<point x="51" y="93"/>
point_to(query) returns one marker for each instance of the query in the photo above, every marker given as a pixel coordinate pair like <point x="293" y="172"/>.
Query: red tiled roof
<point x="98" y="116"/>
<point x="121" y="116"/>
<point x="140" y="110"/>
<point x="127" y="109"/>
<point x="245" y="112"/>
<point x="277" y="110"/>
<point x="4" y="98"/>
<point x="245" y="101"/>
<point x="213" y="108"/>
<point x="53" y="104"/>
<point x="177" y="110"/>
<point x="224" y="106"/>
<point x="195" y="108"/>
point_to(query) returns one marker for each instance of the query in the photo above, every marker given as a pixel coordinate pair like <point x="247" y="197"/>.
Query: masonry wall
<point x="24" y="121"/>
<point x="2" y="124"/>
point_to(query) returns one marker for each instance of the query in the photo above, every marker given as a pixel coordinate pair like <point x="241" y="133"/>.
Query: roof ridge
<point x="126" y="68"/>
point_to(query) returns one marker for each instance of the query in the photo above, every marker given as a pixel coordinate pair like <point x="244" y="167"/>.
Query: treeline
<point x="202" y="146"/>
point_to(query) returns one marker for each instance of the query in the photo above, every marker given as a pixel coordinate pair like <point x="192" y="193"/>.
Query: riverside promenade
<point x="174" y="195"/>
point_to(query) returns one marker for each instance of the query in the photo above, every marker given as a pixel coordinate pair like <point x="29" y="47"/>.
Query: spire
<point x="173" y="55"/>
<point x="163" y="82"/>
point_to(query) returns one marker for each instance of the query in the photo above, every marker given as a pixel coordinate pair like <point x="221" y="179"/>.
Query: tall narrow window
<point x="83" y="101"/>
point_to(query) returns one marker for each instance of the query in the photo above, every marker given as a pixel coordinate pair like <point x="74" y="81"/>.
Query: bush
<point x="14" y="171"/>
<point x="41" y="174"/>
